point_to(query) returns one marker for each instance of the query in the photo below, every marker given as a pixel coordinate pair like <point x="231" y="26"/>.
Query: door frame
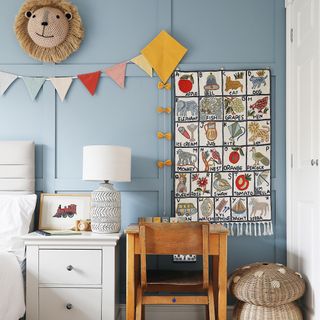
<point x="289" y="118"/>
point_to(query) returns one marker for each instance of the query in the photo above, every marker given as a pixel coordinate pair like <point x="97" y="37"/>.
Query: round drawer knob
<point x="70" y="268"/>
<point x="69" y="306"/>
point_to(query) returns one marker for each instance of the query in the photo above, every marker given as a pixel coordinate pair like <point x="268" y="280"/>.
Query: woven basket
<point x="266" y="284"/>
<point x="239" y="273"/>
<point x="247" y="311"/>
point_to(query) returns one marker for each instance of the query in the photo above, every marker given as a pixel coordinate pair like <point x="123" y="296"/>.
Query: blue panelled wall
<point x="219" y="34"/>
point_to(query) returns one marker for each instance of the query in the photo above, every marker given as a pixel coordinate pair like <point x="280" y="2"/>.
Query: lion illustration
<point x="49" y="30"/>
<point x="258" y="132"/>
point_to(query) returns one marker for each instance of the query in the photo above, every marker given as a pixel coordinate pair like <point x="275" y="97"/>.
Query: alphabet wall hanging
<point x="223" y="149"/>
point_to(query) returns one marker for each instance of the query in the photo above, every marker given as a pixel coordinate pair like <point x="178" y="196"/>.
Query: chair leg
<point x="139" y="312"/>
<point x="211" y="302"/>
<point x="143" y="310"/>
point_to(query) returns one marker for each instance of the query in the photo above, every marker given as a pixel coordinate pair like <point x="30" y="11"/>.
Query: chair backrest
<point x="174" y="238"/>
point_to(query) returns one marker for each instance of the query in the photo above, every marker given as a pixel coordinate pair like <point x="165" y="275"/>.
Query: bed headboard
<point x="17" y="167"/>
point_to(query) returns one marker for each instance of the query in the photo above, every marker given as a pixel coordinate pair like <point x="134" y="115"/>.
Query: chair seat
<point x="174" y="278"/>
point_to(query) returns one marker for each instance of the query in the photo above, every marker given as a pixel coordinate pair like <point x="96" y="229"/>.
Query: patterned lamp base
<point x="105" y="209"/>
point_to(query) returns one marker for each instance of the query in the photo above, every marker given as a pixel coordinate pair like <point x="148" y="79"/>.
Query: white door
<point x="303" y="103"/>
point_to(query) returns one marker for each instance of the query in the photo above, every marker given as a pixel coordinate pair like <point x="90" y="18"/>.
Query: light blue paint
<point x="218" y="33"/>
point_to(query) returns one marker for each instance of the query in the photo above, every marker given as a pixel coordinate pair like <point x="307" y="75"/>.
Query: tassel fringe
<point x="256" y="229"/>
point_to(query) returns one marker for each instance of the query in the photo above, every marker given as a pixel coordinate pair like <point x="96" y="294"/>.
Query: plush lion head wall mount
<point x="49" y="30"/>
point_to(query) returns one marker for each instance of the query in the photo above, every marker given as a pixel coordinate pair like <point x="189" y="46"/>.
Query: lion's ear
<point x="28" y="14"/>
<point x="68" y="15"/>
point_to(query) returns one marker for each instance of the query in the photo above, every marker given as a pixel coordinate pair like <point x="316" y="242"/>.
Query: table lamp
<point x="106" y="163"/>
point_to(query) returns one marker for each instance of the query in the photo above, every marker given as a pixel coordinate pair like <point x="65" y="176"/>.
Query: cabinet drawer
<point x="69" y="304"/>
<point x="70" y="267"/>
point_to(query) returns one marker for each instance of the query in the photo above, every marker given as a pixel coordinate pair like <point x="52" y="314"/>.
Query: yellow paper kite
<point x="163" y="54"/>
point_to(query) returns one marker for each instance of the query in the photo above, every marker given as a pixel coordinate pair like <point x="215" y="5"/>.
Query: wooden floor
<point x="173" y="312"/>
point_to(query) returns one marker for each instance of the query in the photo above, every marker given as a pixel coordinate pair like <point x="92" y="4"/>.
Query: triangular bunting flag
<point x="117" y="73"/>
<point x="62" y="85"/>
<point x="33" y="85"/>
<point x="6" y="79"/>
<point x="90" y="81"/>
<point x="142" y="63"/>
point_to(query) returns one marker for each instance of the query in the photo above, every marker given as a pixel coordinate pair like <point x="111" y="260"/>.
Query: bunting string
<point x="62" y="84"/>
<point x="162" y="55"/>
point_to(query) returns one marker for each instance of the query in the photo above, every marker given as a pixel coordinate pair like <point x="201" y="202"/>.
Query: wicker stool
<point x="267" y="291"/>
<point x="247" y="311"/>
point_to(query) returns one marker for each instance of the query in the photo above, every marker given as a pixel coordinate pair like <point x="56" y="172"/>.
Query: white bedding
<point x="12" y="306"/>
<point x="16" y="212"/>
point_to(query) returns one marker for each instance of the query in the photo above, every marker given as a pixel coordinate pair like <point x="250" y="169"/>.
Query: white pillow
<point x="15" y="217"/>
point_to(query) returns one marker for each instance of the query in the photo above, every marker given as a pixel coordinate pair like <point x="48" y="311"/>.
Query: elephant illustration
<point x="186" y="158"/>
<point x="183" y="107"/>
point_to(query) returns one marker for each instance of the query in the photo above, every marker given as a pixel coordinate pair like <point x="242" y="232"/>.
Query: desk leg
<point x="130" y="298"/>
<point x="215" y="279"/>
<point x="222" y="299"/>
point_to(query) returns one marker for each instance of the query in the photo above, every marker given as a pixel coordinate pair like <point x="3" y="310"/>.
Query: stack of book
<point x="162" y="219"/>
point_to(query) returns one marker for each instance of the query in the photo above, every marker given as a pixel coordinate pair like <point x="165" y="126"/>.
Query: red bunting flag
<point x="90" y="80"/>
<point x="117" y="73"/>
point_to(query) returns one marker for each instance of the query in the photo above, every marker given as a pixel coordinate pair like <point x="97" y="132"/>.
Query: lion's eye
<point x="58" y="17"/>
<point x="68" y="15"/>
<point x="28" y="14"/>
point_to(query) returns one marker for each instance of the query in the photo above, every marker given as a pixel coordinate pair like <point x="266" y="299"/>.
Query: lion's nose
<point x="44" y="23"/>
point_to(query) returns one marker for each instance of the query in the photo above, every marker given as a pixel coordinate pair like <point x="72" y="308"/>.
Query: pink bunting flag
<point x="90" y="81"/>
<point x="117" y="73"/>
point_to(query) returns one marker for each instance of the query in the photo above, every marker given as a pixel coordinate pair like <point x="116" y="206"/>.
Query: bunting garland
<point x="90" y="81"/>
<point x="6" y="79"/>
<point x="117" y="73"/>
<point x="143" y="64"/>
<point x="33" y="85"/>
<point x="162" y="55"/>
<point x="62" y="86"/>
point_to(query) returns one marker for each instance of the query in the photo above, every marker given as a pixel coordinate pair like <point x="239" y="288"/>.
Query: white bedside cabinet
<point x="72" y="277"/>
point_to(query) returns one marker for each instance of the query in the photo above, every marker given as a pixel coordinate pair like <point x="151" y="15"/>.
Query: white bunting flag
<point x="33" y="85"/>
<point x="6" y="79"/>
<point x="143" y="64"/>
<point x="62" y="85"/>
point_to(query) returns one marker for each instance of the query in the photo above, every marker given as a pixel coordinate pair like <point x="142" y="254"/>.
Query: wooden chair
<point x="168" y="238"/>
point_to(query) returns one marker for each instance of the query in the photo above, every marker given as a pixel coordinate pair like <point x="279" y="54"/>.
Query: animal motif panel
<point x="223" y="149"/>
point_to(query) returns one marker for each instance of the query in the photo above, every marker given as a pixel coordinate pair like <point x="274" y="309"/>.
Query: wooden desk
<point x="217" y="249"/>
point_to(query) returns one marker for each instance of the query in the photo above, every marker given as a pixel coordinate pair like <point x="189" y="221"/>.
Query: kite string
<point x="164" y="155"/>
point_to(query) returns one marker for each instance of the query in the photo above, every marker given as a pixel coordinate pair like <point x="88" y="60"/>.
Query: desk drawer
<point x="69" y="304"/>
<point x="70" y="267"/>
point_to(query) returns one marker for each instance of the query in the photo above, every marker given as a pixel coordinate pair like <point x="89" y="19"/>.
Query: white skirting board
<point x="179" y="312"/>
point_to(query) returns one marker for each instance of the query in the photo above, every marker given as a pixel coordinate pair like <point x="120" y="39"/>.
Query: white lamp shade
<point x="111" y="163"/>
